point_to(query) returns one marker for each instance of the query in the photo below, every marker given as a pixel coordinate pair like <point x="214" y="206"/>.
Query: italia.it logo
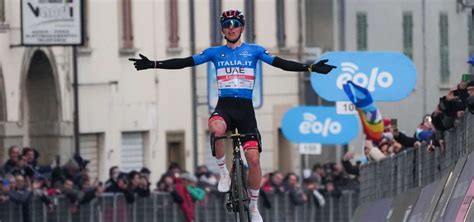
<point x="376" y="78"/>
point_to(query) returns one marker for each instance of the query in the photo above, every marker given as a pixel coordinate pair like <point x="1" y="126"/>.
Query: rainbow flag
<point x="369" y="114"/>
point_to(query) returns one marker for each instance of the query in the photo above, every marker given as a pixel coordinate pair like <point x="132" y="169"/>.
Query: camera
<point x="457" y="93"/>
<point x="442" y="103"/>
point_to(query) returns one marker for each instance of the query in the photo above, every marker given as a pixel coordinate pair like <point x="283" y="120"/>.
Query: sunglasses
<point x="232" y="23"/>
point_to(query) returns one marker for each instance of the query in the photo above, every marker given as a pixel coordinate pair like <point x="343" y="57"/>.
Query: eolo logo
<point x="319" y="124"/>
<point x="323" y="127"/>
<point x="389" y="76"/>
<point x="377" y="77"/>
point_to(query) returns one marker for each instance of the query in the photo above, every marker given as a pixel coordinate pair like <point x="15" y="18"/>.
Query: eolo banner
<point x="388" y="76"/>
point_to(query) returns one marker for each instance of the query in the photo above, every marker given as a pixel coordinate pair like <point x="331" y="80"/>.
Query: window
<point x="444" y="47"/>
<point x="280" y="16"/>
<point x="173" y="24"/>
<point x="91" y="146"/>
<point x="132" y="151"/>
<point x="85" y="49"/>
<point x="311" y="35"/>
<point x="408" y="34"/>
<point x="216" y="9"/>
<point x="2" y="11"/>
<point x="361" y="31"/>
<point x="176" y="148"/>
<point x="471" y="40"/>
<point x="126" y="25"/>
<point x="250" y="21"/>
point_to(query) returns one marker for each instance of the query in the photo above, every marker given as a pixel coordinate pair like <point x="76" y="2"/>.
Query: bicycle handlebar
<point x="234" y="135"/>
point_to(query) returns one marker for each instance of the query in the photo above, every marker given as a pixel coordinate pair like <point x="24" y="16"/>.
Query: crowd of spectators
<point x="23" y="178"/>
<point x="431" y="129"/>
<point x="322" y="181"/>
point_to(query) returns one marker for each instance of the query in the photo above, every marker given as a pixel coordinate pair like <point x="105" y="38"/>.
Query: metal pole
<point x="192" y="40"/>
<point x="76" y="101"/>
<point x="342" y="25"/>
<point x="300" y="52"/>
<point x="423" y="31"/>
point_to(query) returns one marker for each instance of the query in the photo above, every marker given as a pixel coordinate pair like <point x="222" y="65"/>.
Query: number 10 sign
<point x="345" y="108"/>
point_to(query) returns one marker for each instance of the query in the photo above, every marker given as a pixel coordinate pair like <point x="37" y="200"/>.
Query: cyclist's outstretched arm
<point x="178" y="63"/>
<point x="319" y="67"/>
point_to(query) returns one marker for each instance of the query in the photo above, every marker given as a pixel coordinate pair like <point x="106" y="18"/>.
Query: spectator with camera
<point x="426" y="134"/>
<point x="403" y="139"/>
<point x="451" y="107"/>
<point x="348" y="166"/>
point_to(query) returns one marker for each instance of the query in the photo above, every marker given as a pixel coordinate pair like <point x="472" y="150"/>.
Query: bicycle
<point x="238" y="199"/>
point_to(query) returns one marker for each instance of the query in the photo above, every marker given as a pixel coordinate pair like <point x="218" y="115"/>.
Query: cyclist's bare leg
<point x="218" y="126"/>
<point x="255" y="173"/>
<point x="255" y="176"/>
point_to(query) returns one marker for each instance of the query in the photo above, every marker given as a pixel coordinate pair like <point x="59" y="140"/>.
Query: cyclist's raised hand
<point x="322" y="67"/>
<point x="142" y="63"/>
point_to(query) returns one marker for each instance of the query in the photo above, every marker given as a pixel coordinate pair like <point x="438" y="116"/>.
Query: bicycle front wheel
<point x="240" y="193"/>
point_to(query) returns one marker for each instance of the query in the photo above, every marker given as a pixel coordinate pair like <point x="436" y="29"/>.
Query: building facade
<point x="129" y="118"/>
<point x="133" y="119"/>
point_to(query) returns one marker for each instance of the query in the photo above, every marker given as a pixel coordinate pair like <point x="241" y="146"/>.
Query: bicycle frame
<point x="238" y="199"/>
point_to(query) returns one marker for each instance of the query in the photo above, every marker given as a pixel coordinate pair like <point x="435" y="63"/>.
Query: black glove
<point x="322" y="67"/>
<point x="143" y="63"/>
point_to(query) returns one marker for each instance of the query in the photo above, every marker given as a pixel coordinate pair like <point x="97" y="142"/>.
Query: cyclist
<point x="235" y="64"/>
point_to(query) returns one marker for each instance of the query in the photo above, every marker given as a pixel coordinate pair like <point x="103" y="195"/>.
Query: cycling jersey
<point x="235" y="68"/>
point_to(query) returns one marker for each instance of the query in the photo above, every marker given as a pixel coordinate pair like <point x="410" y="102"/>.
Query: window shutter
<point x="2" y="11"/>
<point x="250" y="21"/>
<point x="471" y="40"/>
<point x="408" y="34"/>
<point x="280" y="16"/>
<point x="216" y="35"/>
<point x="444" y="47"/>
<point x="361" y="31"/>
<point x="127" y="35"/>
<point x="173" y="37"/>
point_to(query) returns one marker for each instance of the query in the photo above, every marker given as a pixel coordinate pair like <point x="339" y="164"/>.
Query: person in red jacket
<point x="186" y="202"/>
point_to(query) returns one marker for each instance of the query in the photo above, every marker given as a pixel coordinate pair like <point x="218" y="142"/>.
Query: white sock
<point x="253" y="197"/>
<point x="222" y="167"/>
